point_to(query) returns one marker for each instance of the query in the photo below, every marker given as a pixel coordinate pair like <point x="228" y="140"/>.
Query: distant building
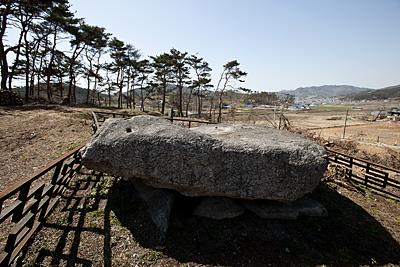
<point x="298" y="106"/>
<point x="394" y="112"/>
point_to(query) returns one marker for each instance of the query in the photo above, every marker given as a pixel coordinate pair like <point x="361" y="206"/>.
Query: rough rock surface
<point x="238" y="161"/>
<point x="287" y="211"/>
<point x="218" y="208"/>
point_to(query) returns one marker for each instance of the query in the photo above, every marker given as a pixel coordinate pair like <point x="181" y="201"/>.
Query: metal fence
<point x="25" y="205"/>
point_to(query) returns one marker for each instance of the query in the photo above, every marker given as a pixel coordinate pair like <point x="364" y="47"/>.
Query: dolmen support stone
<point x="235" y="161"/>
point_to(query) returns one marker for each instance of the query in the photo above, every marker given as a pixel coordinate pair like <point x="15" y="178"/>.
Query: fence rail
<point x="379" y="178"/>
<point x="25" y="205"/>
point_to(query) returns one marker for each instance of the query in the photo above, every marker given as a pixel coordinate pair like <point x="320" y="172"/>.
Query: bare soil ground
<point x="329" y="123"/>
<point x="387" y="132"/>
<point x="105" y="223"/>
<point x="361" y="135"/>
<point x="32" y="136"/>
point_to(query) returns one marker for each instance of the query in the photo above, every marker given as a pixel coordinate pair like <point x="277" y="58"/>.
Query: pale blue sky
<point x="281" y="44"/>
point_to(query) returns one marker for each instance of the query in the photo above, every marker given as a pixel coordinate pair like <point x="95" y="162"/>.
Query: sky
<point x="282" y="44"/>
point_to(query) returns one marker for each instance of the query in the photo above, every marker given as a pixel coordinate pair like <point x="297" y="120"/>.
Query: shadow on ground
<point x="92" y="226"/>
<point x="349" y="236"/>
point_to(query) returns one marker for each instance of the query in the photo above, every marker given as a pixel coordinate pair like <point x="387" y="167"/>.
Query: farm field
<point x="380" y="133"/>
<point x="327" y="121"/>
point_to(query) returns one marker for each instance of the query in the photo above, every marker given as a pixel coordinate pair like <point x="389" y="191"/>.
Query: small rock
<point x="218" y="208"/>
<point x="310" y="207"/>
<point x="286" y="211"/>
<point x="159" y="203"/>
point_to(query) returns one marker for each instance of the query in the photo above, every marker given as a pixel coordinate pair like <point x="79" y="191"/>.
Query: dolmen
<point x="231" y="167"/>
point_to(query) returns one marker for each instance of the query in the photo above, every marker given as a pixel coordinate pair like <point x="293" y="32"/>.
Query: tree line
<point x="54" y="48"/>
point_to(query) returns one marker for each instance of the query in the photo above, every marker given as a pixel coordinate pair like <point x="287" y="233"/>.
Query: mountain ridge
<point x="326" y="91"/>
<point x="378" y="94"/>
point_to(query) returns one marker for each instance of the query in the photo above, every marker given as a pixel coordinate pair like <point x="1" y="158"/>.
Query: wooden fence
<point x="25" y="205"/>
<point x="379" y="178"/>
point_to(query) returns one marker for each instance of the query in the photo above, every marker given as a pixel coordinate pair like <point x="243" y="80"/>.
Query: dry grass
<point x="31" y="137"/>
<point x="381" y="132"/>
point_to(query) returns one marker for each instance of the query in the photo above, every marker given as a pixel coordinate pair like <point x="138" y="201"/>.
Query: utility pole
<point x="345" y="124"/>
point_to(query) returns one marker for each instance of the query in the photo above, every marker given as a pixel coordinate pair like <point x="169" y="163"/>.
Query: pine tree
<point x="230" y="73"/>
<point x="162" y="65"/>
<point x="180" y="70"/>
<point x="201" y="82"/>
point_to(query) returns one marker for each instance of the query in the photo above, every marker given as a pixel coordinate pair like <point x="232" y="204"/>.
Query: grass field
<point x="331" y="107"/>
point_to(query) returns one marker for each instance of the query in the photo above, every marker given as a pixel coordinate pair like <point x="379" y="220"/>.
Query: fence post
<point x="366" y="174"/>
<point x="95" y="123"/>
<point x="351" y="168"/>
<point x="385" y="180"/>
<point x="50" y="193"/>
<point x="345" y="124"/>
<point x="1" y="205"/>
<point x="34" y="208"/>
<point x="23" y="193"/>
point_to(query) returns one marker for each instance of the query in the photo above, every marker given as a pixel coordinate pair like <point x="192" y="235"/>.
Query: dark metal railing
<point x="25" y="205"/>
<point x="379" y="178"/>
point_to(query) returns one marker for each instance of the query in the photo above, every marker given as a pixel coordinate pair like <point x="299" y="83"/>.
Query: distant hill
<point x="326" y="91"/>
<point x="379" y="94"/>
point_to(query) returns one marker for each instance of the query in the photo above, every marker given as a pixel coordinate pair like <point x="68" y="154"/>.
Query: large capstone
<point x="237" y="161"/>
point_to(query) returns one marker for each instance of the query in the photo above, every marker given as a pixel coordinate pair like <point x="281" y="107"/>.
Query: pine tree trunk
<point x="71" y="74"/>
<point x="127" y="91"/>
<point x="50" y="65"/>
<point x="219" y="108"/>
<point x="180" y="103"/>
<point x="18" y="52"/>
<point x="3" y="54"/>
<point x="163" y="97"/>
<point x="88" y="90"/>
<point x="38" y="76"/>
<point x="211" y="107"/>
<point x="27" y="66"/>
<point x="199" y="104"/>
<point x="61" y="87"/>
<point x="189" y="100"/>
